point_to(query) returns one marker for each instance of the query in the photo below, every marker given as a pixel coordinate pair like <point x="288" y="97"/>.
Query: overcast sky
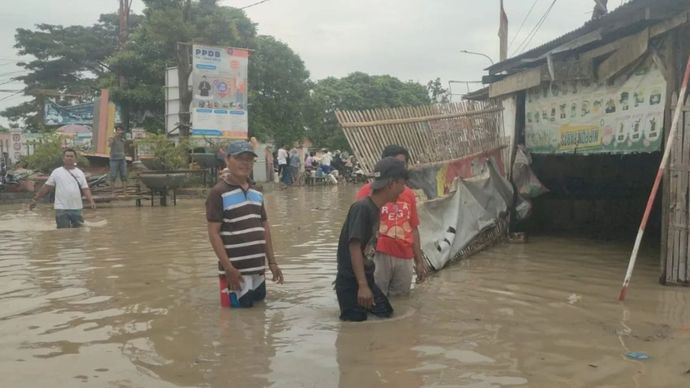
<point x="414" y="40"/>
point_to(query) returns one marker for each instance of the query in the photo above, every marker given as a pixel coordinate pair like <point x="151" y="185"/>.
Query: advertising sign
<point x="55" y="114"/>
<point x="219" y="82"/>
<point x="574" y="117"/>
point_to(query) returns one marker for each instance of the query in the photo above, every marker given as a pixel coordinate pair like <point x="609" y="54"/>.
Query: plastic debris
<point x="637" y="355"/>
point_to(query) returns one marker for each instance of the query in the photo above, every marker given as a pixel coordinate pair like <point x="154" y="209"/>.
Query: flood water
<point x="132" y="301"/>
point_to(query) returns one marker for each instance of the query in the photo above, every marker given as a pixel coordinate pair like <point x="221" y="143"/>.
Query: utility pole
<point x="503" y="34"/>
<point x="599" y="9"/>
<point x="122" y="36"/>
<point x="184" y="70"/>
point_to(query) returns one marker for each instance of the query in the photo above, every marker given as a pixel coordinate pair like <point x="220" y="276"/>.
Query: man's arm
<point x="89" y="197"/>
<point x="419" y="264"/>
<point x="364" y="296"/>
<point x="270" y="257"/>
<point x="45" y="189"/>
<point x="232" y="274"/>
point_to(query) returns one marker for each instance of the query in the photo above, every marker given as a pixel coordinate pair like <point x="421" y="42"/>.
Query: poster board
<point x="626" y="116"/>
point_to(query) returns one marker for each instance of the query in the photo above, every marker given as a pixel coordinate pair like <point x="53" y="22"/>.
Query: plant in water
<point x="164" y="153"/>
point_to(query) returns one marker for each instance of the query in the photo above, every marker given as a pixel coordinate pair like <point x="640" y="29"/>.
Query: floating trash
<point x="637" y="355"/>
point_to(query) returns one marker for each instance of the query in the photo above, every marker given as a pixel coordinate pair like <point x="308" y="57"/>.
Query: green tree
<point x="357" y="91"/>
<point x="47" y="155"/>
<point x="68" y="60"/>
<point x="279" y="92"/>
<point x="154" y="46"/>
<point x="437" y="93"/>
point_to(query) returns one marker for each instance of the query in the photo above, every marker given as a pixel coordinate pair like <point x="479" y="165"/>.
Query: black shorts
<point x="346" y="289"/>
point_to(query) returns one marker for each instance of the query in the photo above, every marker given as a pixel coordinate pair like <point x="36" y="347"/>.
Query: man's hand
<point x="364" y="297"/>
<point x="32" y="204"/>
<point x="93" y="204"/>
<point x="421" y="270"/>
<point x="277" y="273"/>
<point x="234" y="279"/>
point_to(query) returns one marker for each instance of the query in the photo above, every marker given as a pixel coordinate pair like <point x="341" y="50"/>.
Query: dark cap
<point x="239" y="147"/>
<point x="387" y="170"/>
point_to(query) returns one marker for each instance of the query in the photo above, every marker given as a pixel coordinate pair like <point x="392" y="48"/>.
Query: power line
<point x="10" y="81"/>
<point x="14" y="72"/>
<point x="11" y="95"/>
<point x="523" y="22"/>
<point x="253" y="4"/>
<point x="536" y="28"/>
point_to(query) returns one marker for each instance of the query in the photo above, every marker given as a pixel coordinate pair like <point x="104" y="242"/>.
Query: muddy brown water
<point x="132" y="301"/>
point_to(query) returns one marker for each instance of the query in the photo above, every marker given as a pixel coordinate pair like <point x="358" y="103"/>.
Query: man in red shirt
<point x="398" y="253"/>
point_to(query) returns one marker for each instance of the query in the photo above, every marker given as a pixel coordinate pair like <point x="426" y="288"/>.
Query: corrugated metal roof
<point x="629" y="14"/>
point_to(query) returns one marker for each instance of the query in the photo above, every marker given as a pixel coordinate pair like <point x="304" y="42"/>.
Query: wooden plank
<point x="366" y="140"/>
<point x="430" y="116"/>
<point x="680" y="204"/>
<point x="675" y="185"/>
<point x="685" y="192"/>
<point x="516" y="82"/>
<point x="572" y="70"/>
<point x="668" y="25"/>
<point x="636" y="47"/>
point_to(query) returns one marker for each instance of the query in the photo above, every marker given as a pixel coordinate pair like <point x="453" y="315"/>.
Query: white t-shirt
<point x="282" y="156"/>
<point x="326" y="159"/>
<point x="67" y="195"/>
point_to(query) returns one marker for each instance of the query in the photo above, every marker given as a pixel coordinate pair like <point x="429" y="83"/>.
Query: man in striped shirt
<point x="239" y="232"/>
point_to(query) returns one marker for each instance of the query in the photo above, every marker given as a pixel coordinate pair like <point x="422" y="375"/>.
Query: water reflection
<point x="132" y="300"/>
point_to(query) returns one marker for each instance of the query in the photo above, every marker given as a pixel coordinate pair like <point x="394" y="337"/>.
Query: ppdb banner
<point x="219" y="102"/>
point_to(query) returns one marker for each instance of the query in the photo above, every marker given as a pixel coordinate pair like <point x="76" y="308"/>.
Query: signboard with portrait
<point x="624" y="117"/>
<point x="219" y="102"/>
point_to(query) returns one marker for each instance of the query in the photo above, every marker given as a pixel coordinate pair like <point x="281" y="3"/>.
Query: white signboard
<point x="573" y="117"/>
<point x="219" y="84"/>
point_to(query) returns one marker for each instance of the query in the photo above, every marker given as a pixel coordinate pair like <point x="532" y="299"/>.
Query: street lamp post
<point x="476" y="53"/>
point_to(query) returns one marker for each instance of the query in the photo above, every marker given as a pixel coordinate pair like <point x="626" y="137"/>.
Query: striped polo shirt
<point x="241" y="214"/>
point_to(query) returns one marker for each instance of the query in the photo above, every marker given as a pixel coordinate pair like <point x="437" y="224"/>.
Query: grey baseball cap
<point x="239" y="147"/>
<point x="387" y="170"/>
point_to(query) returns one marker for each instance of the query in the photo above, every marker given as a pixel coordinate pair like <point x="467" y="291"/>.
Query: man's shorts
<point x="118" y="168"/>
<point x="68" y="218"/>
<point x="393" y="274"/>
<point x="346" y="289"/>
<point x="253" y="290"/>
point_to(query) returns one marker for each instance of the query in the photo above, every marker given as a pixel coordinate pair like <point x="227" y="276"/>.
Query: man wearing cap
<point x="354" y="283"/>
<point x="238" y="231"/>
<point x="398" y="254"/>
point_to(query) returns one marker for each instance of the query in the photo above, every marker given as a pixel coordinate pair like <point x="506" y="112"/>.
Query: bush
<point x="165" y="152"/>
<point x="47" y="155"/>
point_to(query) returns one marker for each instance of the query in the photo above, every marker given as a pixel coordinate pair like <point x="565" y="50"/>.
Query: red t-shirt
<point x="398" y="220"/>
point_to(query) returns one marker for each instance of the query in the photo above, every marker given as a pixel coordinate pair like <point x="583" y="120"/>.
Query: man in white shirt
<point x="326" y="160"/>
<point x="69" y="182"/>
<point x="282" y="164"/>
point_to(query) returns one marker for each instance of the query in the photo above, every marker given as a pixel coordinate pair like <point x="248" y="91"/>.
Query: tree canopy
<point x="284" y="104"/>
<point x="357" y="91"/>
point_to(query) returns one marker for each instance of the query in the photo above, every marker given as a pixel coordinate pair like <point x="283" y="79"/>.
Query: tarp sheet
<point x="449" y="224"/>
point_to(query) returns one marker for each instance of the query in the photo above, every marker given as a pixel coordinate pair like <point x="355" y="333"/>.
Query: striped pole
<point x="657" y="182"/>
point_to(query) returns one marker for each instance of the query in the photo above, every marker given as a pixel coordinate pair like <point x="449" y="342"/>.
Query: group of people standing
<point x="378" y="249"/>
<point x="289" y="164"/>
